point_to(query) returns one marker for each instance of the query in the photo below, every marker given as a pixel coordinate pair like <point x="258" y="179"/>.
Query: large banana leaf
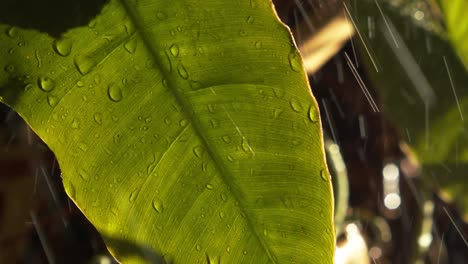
<point x="184" y="130"/>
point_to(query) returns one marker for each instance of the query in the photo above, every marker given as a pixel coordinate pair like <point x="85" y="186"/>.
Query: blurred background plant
<point x="391" y="82"/>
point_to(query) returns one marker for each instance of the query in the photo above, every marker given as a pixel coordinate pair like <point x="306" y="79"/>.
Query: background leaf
<point x="187" y="129"/>
<point x="457" y="25"/>
<point x="424" y="91"/>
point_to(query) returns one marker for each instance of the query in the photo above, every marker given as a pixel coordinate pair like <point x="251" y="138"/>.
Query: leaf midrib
<point x="139" y="27"/>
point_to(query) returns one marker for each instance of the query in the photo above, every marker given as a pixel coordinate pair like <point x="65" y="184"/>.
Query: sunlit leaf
<point x="457" y="25"/>
<point x="187" y="129"/>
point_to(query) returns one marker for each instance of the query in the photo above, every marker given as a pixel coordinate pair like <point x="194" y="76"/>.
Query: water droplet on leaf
<point x="174" y="49"/>
<point x="46" y="84"/>
<point x="223" y="197"/>
<point x="12" y="32"/>
<point x="214" y="123"/>
<point x="295" y="61"/>
<point x="313" y="115"/>
<point x="227" y="139"/>
<point x="324" y="175"/>
<point x="198" y="151"/>
<point x="157" y="205"/>
<point x="277" y="112"/>
<point x="70" y="188"/>
<point x="182" y="72"/>
<point x="114" y="92"/>
<point x="258" y="44"/>
<point x="83" y="174"/>
<point x="52" y="100"/>
<point x="131" y="46"/>
<point x="133" y="196"/>
<point x="98" y="118"/>
<point x="161" y="16"/>
<point x="63" y="46"/>
<point x="84" y="64"/>
<point x="245" y="145"/>
<point x="75" y="124"/>
<point x="211" y="108"/>
<point x="9" y="68"/>
<point x="296" y="105"/>
<point x="80" y="83"/>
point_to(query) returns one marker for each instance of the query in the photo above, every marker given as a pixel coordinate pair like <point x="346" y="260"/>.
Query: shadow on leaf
<point x="50" y="16"/>
<point x="129" y="249"/>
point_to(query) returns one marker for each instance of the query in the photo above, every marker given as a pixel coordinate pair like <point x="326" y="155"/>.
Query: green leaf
<point x="423" y="88"/>
<point x="187" y="129"/>
<point x="457" y="25"/>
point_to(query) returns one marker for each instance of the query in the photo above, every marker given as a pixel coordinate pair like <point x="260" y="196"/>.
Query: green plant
<point x="186" y="129"/>
<point x="186" y="132"/>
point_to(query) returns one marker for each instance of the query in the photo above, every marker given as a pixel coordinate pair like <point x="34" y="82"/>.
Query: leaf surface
<point x="186" y="129"/>
<point x="457" y="25"/>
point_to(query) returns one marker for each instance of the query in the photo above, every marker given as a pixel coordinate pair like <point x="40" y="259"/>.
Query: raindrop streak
<point x="182" y="72"/>
<point x="324" y="175"/>
<point x="63" y="46"/>
<point x="131" y="46"/>
<point x="296" y="105"/>
<point x="46" y="84"/>
<point x="157" y="205"/>
<point x="174" y="49"/>
<point x="453" y="88"/>
<point x="313" y="115"/>
<point x="84" y="64"/>
<point x="456" y="226"/>
<point x="295" y="61"/>
<point x="114" y="92"/>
